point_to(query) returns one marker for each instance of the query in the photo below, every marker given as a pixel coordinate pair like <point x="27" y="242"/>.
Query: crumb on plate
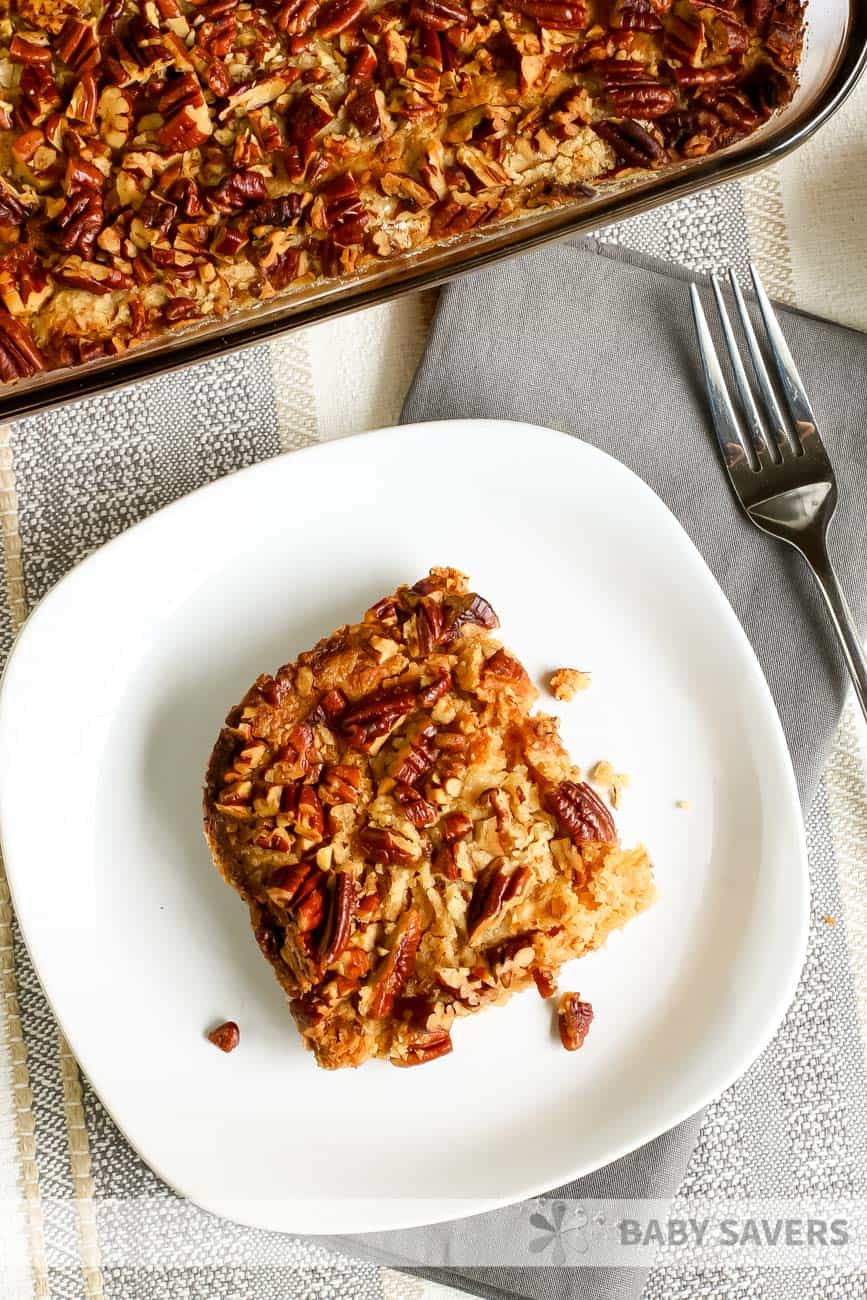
<point x="566" y="682"/>
<point x="604" y="775"/>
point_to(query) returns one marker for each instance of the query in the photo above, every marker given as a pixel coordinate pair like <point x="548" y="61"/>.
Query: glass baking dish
<point x="835" y="56"/>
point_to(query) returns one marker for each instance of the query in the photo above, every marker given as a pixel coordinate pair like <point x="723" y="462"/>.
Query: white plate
<point x="112" y="699"/>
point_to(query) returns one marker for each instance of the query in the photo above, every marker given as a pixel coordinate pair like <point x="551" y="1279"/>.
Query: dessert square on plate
<point x="413" y="844"/>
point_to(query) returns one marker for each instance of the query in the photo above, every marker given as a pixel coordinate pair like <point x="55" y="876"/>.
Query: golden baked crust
<point x="166" y="161"/>
<point x="413" y="844"/>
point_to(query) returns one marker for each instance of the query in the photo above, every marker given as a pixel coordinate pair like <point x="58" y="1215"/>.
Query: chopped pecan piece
<point x="544" y="980"/>
<point x="309" y="817"/>
<point x="19" y="356"/>
<point x="494" y="888"/>
<point x="380" y="845"/>
<point x="393" y="974"/>
<point x="364" y="722"/>
<point x="415" y="806"/>
<point x="226" y="1036"/>
<point x="574" y="1018"/>
<point x="424" y="1048"/>
<point x="340" y="784"/>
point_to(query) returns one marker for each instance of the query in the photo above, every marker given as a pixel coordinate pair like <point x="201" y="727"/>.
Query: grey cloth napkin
<point x="598" y="341"/>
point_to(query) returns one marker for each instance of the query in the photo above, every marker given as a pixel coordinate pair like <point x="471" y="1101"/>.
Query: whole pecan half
<point x="77" y="46"/>
<point x="645" y="99"/>
<point x="393" y="974"/>
<point x="632" y="143"/>
<point x="574" y="1018"/>
<point x="430" y="618"/>
<point x="555" y="14"/>
<point x="338" y="921"/>
<point x="439" y="15"/>
<point x="581" y="812"/>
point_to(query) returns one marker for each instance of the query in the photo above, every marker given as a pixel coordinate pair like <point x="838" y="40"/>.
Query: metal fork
<point x="780" y="473"/>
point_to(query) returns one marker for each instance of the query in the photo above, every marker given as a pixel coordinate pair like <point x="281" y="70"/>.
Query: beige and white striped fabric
<point x="72" y="479"/>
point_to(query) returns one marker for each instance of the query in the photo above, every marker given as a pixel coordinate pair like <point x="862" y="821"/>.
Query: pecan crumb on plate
<point x="226" y="1036"/>
<point x="413" y="844"/>
<point x="565" y="683"/>
<point x="574" y="1018"/>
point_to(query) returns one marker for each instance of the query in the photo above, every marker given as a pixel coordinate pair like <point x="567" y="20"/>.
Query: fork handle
<point x="841" y="616"/>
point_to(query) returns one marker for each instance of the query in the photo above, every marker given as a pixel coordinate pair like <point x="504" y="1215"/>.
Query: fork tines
<point x="769" y="437"/>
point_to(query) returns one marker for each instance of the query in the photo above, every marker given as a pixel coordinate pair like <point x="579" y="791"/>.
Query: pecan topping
<point x="300" y="140"/>
<point x="19" y="355"/>
<point x="574" y="1018"/>
<point x="309" y="817"/>
<point x="494" y="889"/>
<point x="392" y="976"/>
<point x="417" y="759"/>
<point x="364" y="722"/>
<point x="581" y="812"/>
<point x="470" y="609"/>
<point x="226" y="1036"/>
<point x="545" y="981"/>
<point x="379" y="845"/>
<point x="632" y="143"/>
<point x="440" y="686"/>
<point x="505" y="667"/>
<point x="338" y="925"/>
<point x="329" y="709"/>
<point x="291" y="885"/>
<point x="306" y="1012"/>
<point x="417" y="809"/>
<point x="455" y="826"/>
<point x="439" y="15"/>
<point x="425" y="1047"/>
<point x="340" y="784"/>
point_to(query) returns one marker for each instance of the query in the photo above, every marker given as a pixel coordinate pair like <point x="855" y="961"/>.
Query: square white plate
<point x="115" y="693"/>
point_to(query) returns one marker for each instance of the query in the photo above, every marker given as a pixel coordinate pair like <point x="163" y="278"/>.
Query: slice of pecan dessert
<point x="412" y="843"/>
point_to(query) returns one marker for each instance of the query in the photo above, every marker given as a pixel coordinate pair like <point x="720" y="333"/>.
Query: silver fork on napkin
<point x="779" y="470"/>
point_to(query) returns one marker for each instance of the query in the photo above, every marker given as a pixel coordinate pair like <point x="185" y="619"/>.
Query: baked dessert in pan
<point x="164" y="162"/>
